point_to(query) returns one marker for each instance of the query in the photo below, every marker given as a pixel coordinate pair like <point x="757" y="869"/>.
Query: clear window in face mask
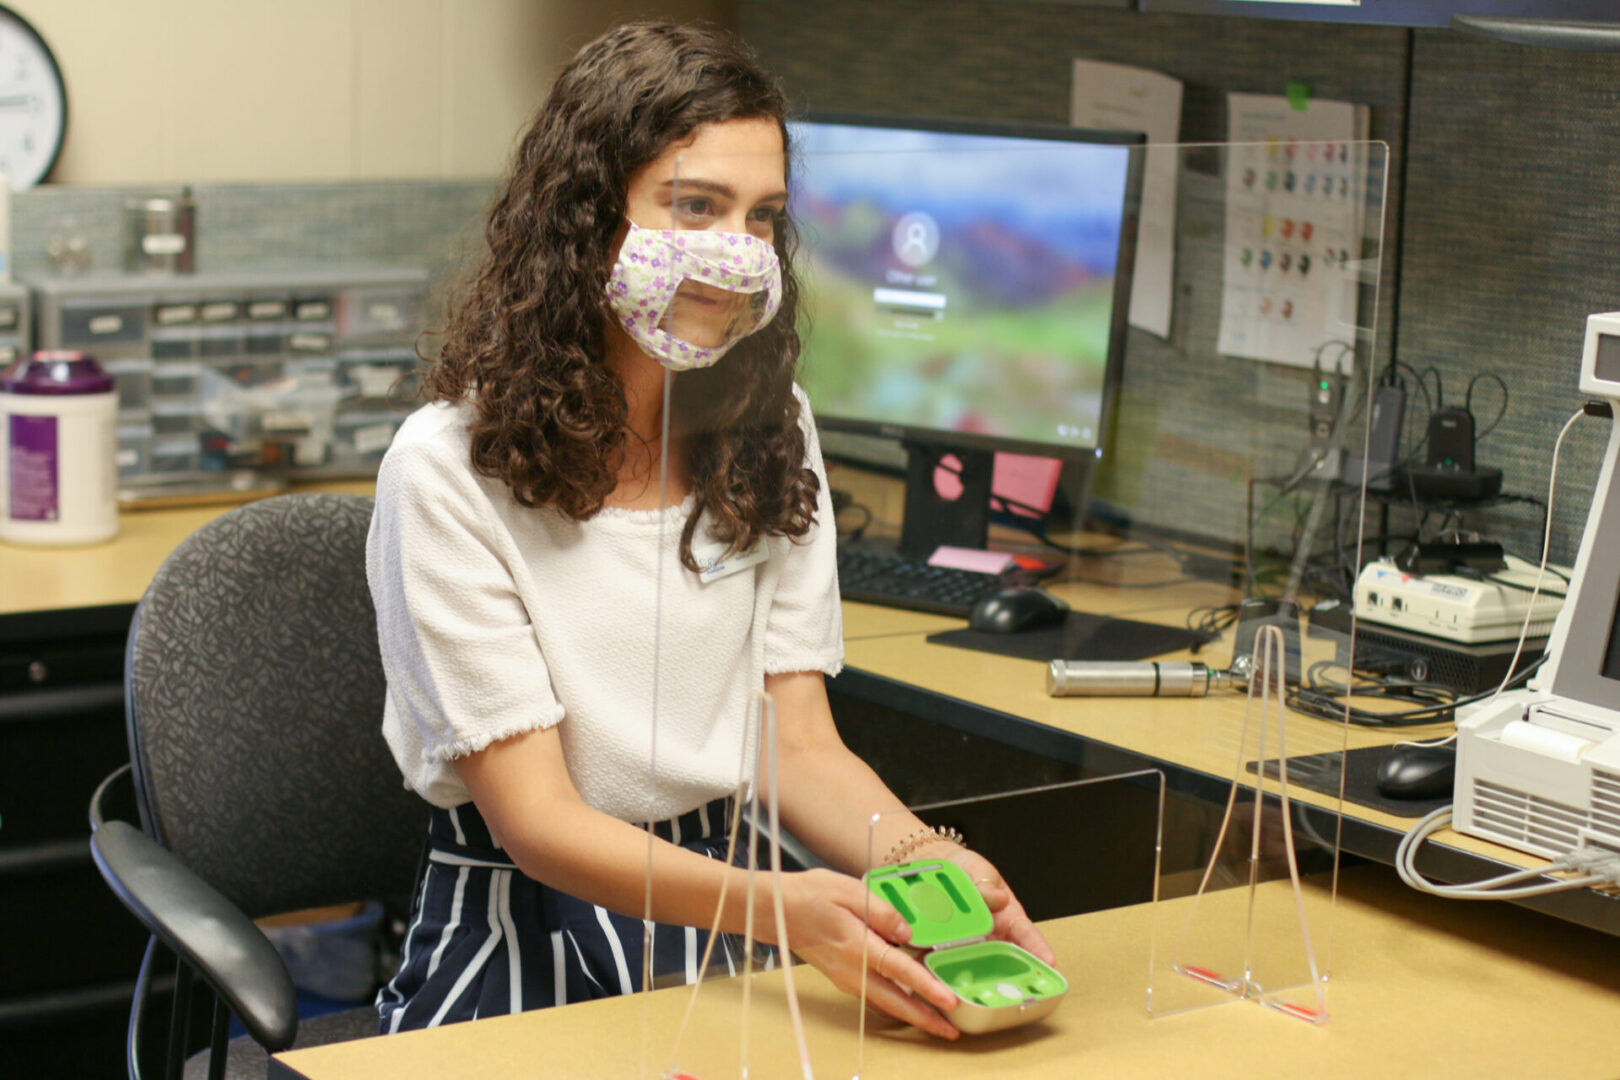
<point x="707" y="315"/>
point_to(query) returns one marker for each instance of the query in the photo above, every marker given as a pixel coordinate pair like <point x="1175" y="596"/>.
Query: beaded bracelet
<point x="926" y="835"/>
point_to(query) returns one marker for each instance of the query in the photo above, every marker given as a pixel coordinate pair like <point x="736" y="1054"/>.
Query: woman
<point x="530" y="536"/>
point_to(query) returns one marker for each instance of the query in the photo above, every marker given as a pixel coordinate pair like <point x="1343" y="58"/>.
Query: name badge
<point x="714" y="563"/>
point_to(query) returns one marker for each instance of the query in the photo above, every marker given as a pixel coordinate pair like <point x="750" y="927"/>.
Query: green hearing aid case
<point x="1000" y="985"/>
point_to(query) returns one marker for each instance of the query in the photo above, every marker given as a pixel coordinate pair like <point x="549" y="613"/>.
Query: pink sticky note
<point x="980" y="562"/>
<point x="1031" y="481"/>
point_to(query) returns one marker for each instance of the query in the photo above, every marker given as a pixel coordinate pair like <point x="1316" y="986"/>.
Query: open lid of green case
<point x="937" y="898"/>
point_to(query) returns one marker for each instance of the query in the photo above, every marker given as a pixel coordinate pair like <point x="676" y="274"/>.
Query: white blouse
<point x="495" y="619"/>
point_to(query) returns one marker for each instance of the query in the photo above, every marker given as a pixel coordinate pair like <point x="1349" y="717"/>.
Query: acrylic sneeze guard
<point x="1211" y="447"/>
<point x="739" y="1013"/>
<point x="1300" y="231"/>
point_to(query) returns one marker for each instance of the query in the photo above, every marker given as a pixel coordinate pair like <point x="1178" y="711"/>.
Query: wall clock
<point x="33" y="103"/>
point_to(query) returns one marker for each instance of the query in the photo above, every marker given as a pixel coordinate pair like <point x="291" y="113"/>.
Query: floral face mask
<point x="688" y="295"/>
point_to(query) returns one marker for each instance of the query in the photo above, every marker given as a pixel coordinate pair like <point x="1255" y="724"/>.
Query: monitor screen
<point x="965" y="285"/>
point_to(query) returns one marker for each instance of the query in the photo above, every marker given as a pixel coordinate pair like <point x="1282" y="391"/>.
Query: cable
<point x="1208" y="623"/>
<point x="1597" y="868"/>
<point x="1305" y="523"/>
<point x="1546" y="550"/>
<point x="1326" y="704"/>
<point x="855" y="532"/>
<point x="1505" y="583"/>
<point x="1468" y="401"/>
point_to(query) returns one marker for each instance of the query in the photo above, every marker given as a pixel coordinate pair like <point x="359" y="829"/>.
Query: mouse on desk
<point x="1018" y="608"/>
<point x="1418" y="772"/>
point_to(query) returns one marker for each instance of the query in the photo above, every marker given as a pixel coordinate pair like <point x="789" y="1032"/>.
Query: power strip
<point x="1457" y="608"/>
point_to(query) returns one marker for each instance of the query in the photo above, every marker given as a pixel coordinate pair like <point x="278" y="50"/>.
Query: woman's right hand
<point x="827" y="915"/>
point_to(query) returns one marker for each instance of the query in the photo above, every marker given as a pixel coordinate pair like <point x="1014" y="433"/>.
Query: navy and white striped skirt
<point x="485" y="940"/>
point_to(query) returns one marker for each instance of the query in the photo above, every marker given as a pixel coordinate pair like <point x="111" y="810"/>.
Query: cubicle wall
<point x="1500" y="209"/>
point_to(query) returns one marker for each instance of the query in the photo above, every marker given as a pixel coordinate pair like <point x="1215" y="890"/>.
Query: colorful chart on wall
<point x="1296" y="192"/>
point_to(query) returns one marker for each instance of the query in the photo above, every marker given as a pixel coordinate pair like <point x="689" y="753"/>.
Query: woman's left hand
<point x="1011" y="923"/>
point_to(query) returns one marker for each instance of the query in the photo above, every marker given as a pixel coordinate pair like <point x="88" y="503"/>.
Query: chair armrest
<point x="98" y="798"/>
<point x="205" y="929"/>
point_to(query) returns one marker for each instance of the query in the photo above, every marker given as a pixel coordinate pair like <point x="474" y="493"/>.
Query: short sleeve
<point x="805" y="628"/>
<point x="463" y="663"/>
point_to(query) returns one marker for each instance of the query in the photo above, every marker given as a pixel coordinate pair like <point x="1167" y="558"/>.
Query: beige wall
<point x="222" y="90"/>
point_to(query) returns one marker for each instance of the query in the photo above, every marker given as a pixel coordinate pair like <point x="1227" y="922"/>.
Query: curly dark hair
<point x="525" y="336"/>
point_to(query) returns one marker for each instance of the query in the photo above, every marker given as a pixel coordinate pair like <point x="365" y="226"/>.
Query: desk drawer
<point x="68" y="930"/>
<point x="56" y="745"/>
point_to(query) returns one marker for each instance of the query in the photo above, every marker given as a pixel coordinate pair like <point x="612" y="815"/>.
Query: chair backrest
<point x="255" y="699"/>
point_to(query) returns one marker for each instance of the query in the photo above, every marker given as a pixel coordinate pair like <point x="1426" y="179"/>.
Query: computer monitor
<point x="965" y="289"/>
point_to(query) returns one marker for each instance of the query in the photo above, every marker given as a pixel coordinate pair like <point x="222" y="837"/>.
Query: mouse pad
<point x="1082" y="636"/>
<point x="1320" y="773"/>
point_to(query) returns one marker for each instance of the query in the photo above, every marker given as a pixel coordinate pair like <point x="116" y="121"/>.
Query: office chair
<point x="254" y="700"/>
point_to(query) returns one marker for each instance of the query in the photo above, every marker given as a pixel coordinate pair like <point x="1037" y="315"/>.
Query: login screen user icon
<point x="916" y="238"/>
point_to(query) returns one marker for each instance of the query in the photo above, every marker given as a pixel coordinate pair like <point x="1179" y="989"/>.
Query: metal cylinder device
<point x="1147" y="678"/>
<point x="161" y="234"/>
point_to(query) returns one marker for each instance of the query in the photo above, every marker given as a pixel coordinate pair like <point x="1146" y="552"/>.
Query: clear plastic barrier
<point x="1215" y="481"/>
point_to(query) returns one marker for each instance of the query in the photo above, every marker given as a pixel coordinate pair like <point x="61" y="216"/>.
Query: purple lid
<point x="56" y="371"/>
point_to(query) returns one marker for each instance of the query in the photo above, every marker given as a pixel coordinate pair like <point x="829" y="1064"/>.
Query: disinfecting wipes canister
<point x="58" y="446"/>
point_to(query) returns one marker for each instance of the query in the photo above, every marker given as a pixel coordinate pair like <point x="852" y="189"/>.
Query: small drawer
<point x="174" y="454"/>
<point x="373" y="381"/>
<point x="133" y="378"/>
<point x="391" y="311"/>
<point x="265" y="343"/>
<point x="269" y="310"/>
<point x="175" y="380"/>
<point x="174" y="348"/>
<point x="175" y="314"/>
<point x="309" y="342"/>
<point x="214" y="312"/>
<point x="89" y="326"/>
<point x="134" y="455"/>
<point x="363" y="438"/>
<point x="221" y="346"/>
<point x="313" y="309"/>
<point x="176" y="418"/>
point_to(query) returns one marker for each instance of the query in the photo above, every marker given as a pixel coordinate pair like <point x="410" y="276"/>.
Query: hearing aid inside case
<point x="1000" y="985"/>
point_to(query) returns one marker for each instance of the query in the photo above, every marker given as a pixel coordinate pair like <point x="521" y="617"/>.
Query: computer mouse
<point x="1018" y="608"/>
<point x="1418" y="772"/>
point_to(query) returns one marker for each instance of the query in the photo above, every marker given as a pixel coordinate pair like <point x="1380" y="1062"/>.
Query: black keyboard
<point x="897" y="581"/>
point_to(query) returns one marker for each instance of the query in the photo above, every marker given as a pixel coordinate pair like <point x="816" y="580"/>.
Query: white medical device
<point x="1538" y="769"/>
<point x="1457" y="608"/>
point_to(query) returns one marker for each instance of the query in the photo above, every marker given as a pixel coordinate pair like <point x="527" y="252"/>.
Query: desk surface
<point x="36" y="579"/>
<point x="1421" y="988"/>
<point x="1201" y="734"/>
